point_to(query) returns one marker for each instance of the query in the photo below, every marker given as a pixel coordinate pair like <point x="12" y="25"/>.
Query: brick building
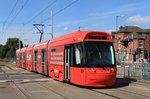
<point x="135" y="36"/>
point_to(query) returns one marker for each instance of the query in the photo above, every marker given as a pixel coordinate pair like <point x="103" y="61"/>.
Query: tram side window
<point x="76" y="55"/>
<point x="72" y="56"/>
<point x="24" y="56"/>
<point x="35" y="56"/>
<point x="21" y="57"/>
<point x="43" y="51"/>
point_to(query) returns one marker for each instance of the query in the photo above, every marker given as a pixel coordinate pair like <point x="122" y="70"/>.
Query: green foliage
<point x="9" y="50"/>
<point x="2" y="51"/>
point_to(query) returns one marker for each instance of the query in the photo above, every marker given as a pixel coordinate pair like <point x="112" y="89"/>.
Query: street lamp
<point x="118" y="35"/>
<point x="117" y="17"/>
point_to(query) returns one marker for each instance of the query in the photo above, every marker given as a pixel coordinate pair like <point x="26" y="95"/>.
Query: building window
<point x="143" y="35"/>
<point x="140" y="43"/>
<point x="141" y="54"/>
<point x="119" y="46"/>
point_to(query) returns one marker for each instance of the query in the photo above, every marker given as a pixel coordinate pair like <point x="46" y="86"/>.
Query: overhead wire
<point x="64" y="8"/>
<point x="12" y="11"/>
<point x="49" y="7"/>
<point x="17" y="14"/>
<point x="59" y="11"/>
<point x="34" y="17"/>
<point x="19" y="11"/>
<point x="41" y="12"/>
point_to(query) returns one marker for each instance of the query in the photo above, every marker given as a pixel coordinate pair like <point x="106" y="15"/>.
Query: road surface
<point x="17" y="83"/>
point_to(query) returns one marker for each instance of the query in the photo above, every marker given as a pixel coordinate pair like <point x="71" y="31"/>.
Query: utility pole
<point x="41" y="30"/>
<point x="51" y="24"/>
<point x="19" y="42"/>
<point x="149" y="52"/>
<point x="118" y="36"/>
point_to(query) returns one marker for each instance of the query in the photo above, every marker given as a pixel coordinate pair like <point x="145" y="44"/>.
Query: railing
<point x="146" y="73"/>
<point x="134" y="70"/>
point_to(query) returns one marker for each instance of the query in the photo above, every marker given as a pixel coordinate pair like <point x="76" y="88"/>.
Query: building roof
<point x="138" y="32"/>
<point x="130" y="29"/>
<point x="148" y="30"/>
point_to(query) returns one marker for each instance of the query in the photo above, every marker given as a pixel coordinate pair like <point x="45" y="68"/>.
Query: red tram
<point x="83" y="58"/>
<point x="29" y="58"/>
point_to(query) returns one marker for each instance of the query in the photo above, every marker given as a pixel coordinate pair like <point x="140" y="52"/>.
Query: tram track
<point x="121" y="90"/>
<point x="57" y="93"/>
<point x="112" y="96"/>
<point x="12" y="82"/>
<point x="109" y="93"/>
<point x="37" y="82"/>
<point x="93" y="90"/>
<point x="130" y="92"/>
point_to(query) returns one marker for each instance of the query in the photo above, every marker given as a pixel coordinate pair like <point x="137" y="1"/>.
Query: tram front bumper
<point x="100" y="80"/>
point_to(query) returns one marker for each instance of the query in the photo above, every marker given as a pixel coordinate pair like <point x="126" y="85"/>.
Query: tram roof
<point x="79" y="36"/>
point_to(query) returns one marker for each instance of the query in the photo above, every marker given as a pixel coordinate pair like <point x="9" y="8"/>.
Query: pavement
<point x="141" y="82"/>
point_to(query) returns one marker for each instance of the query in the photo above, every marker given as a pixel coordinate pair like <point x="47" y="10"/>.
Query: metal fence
<point x="146" y="73"/>
<point x="139" y="71"/>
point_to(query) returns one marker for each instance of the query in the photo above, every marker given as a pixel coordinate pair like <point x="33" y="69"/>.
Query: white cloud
<point x="99" y="15"/>
<point x="124" y="9"/>
<point x="67" y="23"/>
<point x="96" y="25"/>
<point x="113" y="12"/>
<point x="136" y="25"/>
<point x="65" y="28"/>
<point x="139" y="19"/>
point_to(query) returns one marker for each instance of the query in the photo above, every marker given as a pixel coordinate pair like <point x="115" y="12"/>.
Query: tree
<point x="9" y="50"/>
<point x="2" y="53"/>
<point x="12" y="44"/>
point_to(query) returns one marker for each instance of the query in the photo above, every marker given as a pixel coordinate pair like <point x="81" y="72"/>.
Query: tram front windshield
<point x="99" y="54"/>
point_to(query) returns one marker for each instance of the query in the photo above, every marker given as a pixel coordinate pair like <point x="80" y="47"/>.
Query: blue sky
<point x="18" y="16"/>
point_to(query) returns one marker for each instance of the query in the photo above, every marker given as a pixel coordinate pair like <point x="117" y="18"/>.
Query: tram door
<point x="24" y="60"/>
<point x="43" y="61"/>
<point x="67" y="63"/>
<point x="21" y="59"/>
<point x="35" y="60"/>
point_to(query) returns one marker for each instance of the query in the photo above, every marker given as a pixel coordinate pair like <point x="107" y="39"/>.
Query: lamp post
<point x="118" y="35"/>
